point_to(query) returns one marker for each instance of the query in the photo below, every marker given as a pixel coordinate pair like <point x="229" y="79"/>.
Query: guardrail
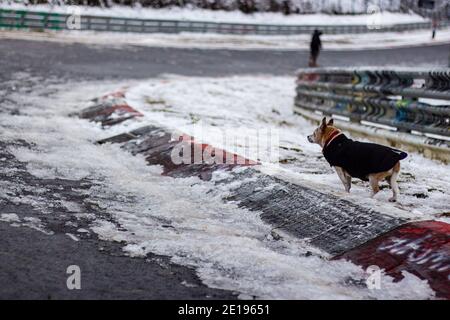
<point x="407" y="103"/>
<point x="20" y="19"/>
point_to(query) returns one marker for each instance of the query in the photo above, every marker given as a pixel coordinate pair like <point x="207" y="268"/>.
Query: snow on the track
<point x="9" y="217"/>
<point x="30" y="222"/>
<point x="362" y="41"/>
<point x="186" y="219"/>
<point x="192" y="14"/>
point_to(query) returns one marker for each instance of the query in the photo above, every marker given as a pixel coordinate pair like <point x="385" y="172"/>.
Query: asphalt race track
<point x="98" y="62"/>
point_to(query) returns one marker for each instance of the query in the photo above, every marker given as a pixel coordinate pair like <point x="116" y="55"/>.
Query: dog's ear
<point x="330" y="122"/>
<point x="323" y="125"/>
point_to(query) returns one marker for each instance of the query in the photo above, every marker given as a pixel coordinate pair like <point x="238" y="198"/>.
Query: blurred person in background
<point x="434" y="24"/>
<point x="315" y="47"/>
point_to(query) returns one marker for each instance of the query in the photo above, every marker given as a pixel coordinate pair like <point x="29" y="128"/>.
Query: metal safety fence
<point x="33" y="20"/>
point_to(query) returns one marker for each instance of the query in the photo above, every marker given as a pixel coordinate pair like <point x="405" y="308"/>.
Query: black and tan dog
<point x="366" y="161"/>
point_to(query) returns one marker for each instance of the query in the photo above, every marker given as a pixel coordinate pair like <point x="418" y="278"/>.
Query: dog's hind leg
<point x="393" y="182"/>
<point x="373" y="180"/>
<point x="345" y="178"/>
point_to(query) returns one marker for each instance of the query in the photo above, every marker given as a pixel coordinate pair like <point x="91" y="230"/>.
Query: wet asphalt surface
<point x="98" y="62"/>
<point x="33" y="264"/>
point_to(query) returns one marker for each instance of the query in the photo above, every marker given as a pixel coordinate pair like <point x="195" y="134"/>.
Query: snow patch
<point x="9" y="217"/>
<point x="335" y="42"/>
<point x="192" y="14"/>
<point x="73" y="237"/>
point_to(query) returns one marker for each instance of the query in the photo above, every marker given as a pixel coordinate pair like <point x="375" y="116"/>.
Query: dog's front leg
<point x="345" y="178"/>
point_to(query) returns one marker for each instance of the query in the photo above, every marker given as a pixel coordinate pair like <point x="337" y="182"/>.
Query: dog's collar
<point x="333" y="136"/>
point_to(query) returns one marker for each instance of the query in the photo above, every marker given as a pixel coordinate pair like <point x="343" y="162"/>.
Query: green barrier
<point x="21" y="19"/>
